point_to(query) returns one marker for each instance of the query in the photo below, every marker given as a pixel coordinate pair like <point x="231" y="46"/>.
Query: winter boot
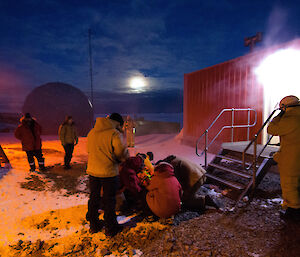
<point x="210" y="202"/>
<point x="113" y="231"/>
<point x="67" y="167"/>
<point x="96" y="227"/>
<point x="42" y="165"/>
<point x="32" y="167"/>
<point x="290" y="214"/>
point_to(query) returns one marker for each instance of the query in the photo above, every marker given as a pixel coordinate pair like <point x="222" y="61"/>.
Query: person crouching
<point x="164" y="191"/>
<point x="130" y="182"/>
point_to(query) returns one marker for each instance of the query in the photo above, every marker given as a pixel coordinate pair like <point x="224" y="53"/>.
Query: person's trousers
<point x="290" y="186"/>
<point x="130" y="137"/>
<point x="108" y="201"/>
<point x="69" y="148"/>
<point x="191" y="201"/>
<point x="38" y="155"/>
<point x="137" y="200"/>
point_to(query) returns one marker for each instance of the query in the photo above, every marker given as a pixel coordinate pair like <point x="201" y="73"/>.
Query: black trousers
<point x="191" y="201"/>
<point x="108" y="201"/>
<point x="69" y="148"/>
<point x="38" y="155"/>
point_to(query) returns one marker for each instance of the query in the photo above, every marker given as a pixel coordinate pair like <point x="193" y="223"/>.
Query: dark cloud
<point x="46" y="40"/>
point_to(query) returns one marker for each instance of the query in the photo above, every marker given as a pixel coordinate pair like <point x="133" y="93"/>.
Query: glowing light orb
<point x="138" y="84"/>
<point x="279" y="74"/>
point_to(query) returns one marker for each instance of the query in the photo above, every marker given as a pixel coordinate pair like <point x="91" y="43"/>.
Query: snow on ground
<point x="18" y="203"/>
<point x="45" y="214"/>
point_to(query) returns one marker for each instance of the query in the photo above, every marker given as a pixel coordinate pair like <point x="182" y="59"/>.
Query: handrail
<point x="262" y="127"/>
<point x="261" y="151"/>
<point x="255" y="156"/>
<point x="232" y="126"/>
<point x="256" y="136"/>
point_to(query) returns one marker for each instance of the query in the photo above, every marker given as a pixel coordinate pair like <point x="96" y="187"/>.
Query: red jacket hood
<point x="22" y="120"/>
<point x="164" y="169"/>
<point x="134" y="163"/>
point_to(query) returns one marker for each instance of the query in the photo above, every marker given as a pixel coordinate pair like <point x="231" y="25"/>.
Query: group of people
<point x="163" y="188"/>
<point x="154" y="189"/>
<point x="29" y="133"/>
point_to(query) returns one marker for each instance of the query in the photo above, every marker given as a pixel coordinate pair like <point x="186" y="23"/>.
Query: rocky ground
<point x="251" y="229"/>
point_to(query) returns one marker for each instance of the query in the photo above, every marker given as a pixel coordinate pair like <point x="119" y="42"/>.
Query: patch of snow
<point x="264" y="206"/>
<point x="82" y="183"/>
<point x="253" y="254"/>
<point x="22" y="209"/>
<point x="212" y="192"/>
<point x="124" y="219"/>
<point x="275" y="201"/>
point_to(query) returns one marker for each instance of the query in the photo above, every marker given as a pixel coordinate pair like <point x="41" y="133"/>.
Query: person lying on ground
<point x="191" y="177"/>
<point x="164" y="191"/>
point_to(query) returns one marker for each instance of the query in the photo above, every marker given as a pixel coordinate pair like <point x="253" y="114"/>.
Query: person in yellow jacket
<point x="130" y="131"/>
<point x="68" y="137"/>
<point x="286" y="125"/>
<point x="105" y="151"/>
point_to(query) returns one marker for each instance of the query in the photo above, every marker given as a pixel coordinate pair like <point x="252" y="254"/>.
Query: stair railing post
<point x="248" y="128"/>
<point x="254" y="161"/>
<point x="232" y="123"/>
<point x="205" y="149"/>
<point x="243" y="159"/>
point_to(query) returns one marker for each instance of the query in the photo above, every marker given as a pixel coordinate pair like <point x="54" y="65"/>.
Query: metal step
<point x="231" y="184"/>
<point x="232" y="159"/>
<point x="235" y="172"/>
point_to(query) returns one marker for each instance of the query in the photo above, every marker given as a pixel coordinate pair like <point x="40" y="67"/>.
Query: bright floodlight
<point x="138" y="83"/>
<point x="279" y="74"/>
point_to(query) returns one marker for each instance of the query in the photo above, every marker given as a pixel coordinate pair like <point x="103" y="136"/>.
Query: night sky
<point x="47" y="41"/>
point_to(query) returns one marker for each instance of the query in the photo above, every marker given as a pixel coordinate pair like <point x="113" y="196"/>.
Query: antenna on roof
<point x="251" y="41"/>
<point x="91" y="69"/>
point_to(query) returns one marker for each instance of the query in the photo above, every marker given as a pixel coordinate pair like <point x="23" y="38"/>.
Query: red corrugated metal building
<point x="231" y="84"/>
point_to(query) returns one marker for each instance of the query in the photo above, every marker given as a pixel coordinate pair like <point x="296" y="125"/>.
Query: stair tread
<point x="240" y="146"/>
<point x="235" y="172"/>
<point x="226" y="182"/>
<point x="232" y="159"/>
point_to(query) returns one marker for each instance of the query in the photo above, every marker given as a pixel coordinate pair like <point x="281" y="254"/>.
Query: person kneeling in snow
<point x="191" y="177"/>
<point x="164" y="191"/>
<point x="130" y="182"/>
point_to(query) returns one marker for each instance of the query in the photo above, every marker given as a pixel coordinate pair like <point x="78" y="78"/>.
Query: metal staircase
<point x="240" y="166"/>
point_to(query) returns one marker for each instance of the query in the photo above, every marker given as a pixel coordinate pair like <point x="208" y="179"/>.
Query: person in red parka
<point x="132" y="186"/>
<point x="128" y="174"/>
<point x="29" y="132"/>
<point x="164" y="191"/>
